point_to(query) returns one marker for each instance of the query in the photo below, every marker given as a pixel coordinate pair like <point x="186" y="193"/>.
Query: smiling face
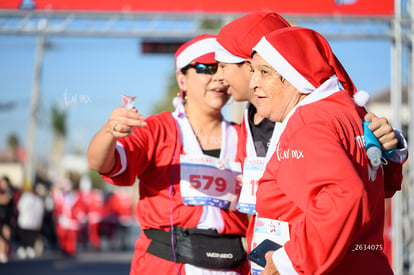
<point x="203" y="91"/>
<point x="275" y="97"/>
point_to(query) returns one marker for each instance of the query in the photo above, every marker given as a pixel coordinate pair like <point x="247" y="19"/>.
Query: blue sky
<point x="88" y="75"/>
<point x="84" y="75"/>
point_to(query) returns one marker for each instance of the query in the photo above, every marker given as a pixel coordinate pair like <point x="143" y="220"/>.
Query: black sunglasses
<point x="201" y="68"/>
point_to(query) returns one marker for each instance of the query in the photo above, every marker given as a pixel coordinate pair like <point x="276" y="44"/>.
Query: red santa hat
<point x="200" y="49"/>
<point x="306" y="60"/>
<point x="237" y="38"/>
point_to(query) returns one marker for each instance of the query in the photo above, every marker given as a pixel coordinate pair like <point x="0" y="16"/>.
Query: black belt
<point x="200" y="247"/>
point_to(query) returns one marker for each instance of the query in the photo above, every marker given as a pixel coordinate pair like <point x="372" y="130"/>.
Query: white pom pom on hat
<point x="178" y="100"/>
<point x="361" y="98"/>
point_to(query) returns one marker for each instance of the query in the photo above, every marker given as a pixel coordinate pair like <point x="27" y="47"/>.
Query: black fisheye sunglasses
<point x="202" y="68"/>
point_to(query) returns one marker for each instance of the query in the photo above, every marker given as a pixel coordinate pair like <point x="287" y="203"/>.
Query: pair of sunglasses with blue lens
<point x="202" y="68"/>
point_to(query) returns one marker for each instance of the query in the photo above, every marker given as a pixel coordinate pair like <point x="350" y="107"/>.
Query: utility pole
<point x="396" y="99"/>
<point x="410" y="91"/>
<point x="29" y="162"/>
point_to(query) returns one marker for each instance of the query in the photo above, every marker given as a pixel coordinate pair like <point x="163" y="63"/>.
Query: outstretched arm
<point x="101" y="151"/>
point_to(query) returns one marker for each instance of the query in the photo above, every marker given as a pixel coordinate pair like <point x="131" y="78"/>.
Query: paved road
<point x="85" y="263"/>
<point x="110" y="261"/>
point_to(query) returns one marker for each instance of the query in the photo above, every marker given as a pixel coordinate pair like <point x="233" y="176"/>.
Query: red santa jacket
<point x="318" y="182"/>
<point x="94" y="203"/>
<point x="153" y="155"/>
<point x="69" y="209"/>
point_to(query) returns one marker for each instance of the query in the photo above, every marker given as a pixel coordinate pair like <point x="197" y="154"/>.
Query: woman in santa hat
<point x="185" y="163"/>
<point x="236" y="40"/>
<point x="319" y="195"/>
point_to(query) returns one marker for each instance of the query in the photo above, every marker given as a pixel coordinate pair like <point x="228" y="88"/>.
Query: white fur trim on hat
<point x="194" y="51"/>
<point x="361" y="98"/>
<point x="223" y="55"/>
<point x="281" y="65"/>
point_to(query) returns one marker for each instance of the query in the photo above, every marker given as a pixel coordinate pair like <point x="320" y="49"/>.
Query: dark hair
<point x="7" y="180"/>
<point x="185" y="69"/>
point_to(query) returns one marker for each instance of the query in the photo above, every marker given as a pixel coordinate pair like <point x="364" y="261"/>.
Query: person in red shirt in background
<point x="93" y="200"/>
<point x="119" y="210"/>
<point x="69" y="214"/>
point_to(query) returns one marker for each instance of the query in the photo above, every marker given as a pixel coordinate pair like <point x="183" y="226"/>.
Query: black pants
<point x="28" y="237"/>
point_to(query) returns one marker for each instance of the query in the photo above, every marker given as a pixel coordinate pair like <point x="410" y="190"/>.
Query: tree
<point x="58" y="121"/>
<point x="59" y="139"/>
<point x="13" y="144"/>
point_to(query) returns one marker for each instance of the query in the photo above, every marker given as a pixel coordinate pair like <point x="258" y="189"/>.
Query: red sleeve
<point x="392" y="178"/>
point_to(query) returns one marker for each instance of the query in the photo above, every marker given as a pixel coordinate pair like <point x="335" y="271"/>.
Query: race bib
<point x="209" y="181"/>
<point x="252" y="172"/>
<point x="274" y="230"/>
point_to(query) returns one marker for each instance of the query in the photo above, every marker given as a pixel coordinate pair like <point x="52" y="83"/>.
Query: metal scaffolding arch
<point x="172" y="25"/>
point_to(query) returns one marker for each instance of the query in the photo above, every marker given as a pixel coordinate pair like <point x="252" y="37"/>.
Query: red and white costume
<point x="94" y="202"/>
<point x="69" y="213"/>
<point x="178" y="184"/>
<point x="236" y="41"/>
<point x="318" y="179"/>
<point x="152" y="154"/>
